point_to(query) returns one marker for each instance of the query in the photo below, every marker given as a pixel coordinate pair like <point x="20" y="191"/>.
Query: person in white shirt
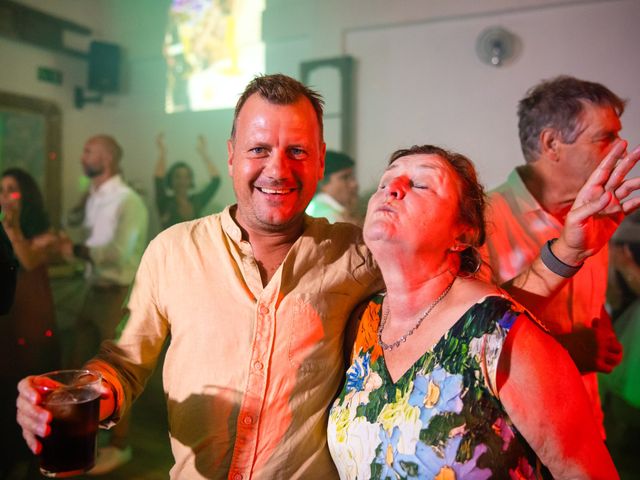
<point x="115" y="224"/>
<point x="337" y="194"/>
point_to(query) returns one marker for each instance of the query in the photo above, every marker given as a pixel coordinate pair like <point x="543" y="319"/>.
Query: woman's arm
<point x="161" y="164"/>
<point x="30" y="252"/>
<point x="36" y="251"/>
<point x="201" y="199"/>
<point x="543" y="393"/>
<point x="162" y="198"/>
<point x="204" y="155"/>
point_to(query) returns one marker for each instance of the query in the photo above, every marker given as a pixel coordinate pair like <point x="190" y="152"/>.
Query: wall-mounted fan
<point x="497" y="46"/>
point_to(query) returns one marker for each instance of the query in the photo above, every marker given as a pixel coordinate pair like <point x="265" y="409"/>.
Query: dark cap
<point x="336" y="161"/>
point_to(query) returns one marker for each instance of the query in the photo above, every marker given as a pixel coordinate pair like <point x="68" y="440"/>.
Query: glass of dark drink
<point x="73" y="398"/>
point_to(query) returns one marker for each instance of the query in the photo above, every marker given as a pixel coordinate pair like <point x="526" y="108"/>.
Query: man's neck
<point x="271" y="248"/>
<point x="547" y="188"/>
<point x="97" y="182"/>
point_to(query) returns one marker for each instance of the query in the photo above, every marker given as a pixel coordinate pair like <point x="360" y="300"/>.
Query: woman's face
<point x="415" y="205"/>
<point x="10" y="194"/>
<point x="181" y="179"/>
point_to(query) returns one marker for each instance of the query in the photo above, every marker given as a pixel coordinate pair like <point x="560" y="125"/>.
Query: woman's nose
<point x="397" y="188"/>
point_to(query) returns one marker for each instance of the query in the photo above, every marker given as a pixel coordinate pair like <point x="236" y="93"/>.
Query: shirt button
<point x="247" y="420"/>
<point x="237" y="476"/>
<point x="258" y="365"/>
<point x="264" y="309"/>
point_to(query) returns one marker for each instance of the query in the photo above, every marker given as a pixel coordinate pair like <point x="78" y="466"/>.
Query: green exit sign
<point x="50" y="75"/>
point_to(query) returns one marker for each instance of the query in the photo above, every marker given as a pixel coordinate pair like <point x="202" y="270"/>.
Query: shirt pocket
<point x="316" y="330"/>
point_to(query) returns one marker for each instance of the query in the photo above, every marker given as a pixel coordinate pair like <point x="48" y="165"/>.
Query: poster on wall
<point x="213" y="48"/>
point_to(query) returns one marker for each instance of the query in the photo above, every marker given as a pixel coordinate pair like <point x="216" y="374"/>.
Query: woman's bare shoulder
<point x="470" y="287"/>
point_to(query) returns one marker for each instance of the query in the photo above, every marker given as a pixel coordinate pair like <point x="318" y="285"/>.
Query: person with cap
<point x="337" y="194"/>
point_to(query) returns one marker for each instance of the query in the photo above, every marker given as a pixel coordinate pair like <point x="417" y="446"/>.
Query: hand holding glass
<point x="73" y="398"/>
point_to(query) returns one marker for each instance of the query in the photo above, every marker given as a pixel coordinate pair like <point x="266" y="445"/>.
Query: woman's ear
<point x="464" y="240"/>
<point x="459" y="247"/>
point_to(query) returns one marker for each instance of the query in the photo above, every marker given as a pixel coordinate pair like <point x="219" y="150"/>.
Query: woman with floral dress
<point x="451" y="378"/>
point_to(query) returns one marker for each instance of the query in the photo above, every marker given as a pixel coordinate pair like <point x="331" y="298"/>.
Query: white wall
<point x="418" y="79"/>
<point x="439" y="92"/>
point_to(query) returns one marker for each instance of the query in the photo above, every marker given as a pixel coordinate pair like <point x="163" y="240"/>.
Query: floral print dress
<point x="440" y="420"/>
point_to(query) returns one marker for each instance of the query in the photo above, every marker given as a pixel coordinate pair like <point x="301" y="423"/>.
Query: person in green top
<point x="337" y="195"/>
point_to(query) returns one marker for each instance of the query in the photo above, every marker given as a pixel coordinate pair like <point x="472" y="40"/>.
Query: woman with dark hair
<point x="449" y="376"/>
<point x="28" y="340"/>
<point x="26" y="225"/>
<point x="173" y="200"/>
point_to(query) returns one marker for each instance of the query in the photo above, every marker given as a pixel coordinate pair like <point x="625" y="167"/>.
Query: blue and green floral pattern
<point x="440" y="420"/>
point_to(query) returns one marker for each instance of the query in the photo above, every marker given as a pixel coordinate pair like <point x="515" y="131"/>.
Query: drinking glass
<point x="73" y="398"/>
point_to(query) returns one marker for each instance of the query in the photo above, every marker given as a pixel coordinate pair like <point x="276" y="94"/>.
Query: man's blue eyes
<point x="296" y="152"/>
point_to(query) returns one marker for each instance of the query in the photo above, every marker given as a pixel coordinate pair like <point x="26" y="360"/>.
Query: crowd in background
<point x="107" y="231"/>
<point x="92" y="261"/>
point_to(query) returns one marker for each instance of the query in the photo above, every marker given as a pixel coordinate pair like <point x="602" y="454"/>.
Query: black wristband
<point x="554" y="264"/>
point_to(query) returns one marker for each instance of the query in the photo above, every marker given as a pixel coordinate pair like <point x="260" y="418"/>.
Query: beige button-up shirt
<point x="250" y="370"/>
<point x="517" y="227"/>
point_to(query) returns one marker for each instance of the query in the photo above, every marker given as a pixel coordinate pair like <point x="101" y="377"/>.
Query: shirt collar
<point x="229" y="225"/>
<point x="525" y="200"/>
<point x="233" y="230"/>
<point x="110" y="185"/>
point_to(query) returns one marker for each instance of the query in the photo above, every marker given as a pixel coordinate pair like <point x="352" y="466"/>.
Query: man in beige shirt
<point x="256" y="300"/>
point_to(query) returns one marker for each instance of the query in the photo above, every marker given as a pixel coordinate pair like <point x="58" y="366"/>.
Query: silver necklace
<point x="403" y="338"/>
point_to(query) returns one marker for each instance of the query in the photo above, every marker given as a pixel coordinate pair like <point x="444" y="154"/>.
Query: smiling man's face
<point x="276" y="160"/>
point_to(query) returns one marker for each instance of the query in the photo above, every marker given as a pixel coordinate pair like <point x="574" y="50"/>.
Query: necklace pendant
<point x="403" y="338"/>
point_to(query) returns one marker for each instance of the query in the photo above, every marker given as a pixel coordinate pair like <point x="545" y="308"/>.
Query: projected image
<point x="213" y="48"/>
